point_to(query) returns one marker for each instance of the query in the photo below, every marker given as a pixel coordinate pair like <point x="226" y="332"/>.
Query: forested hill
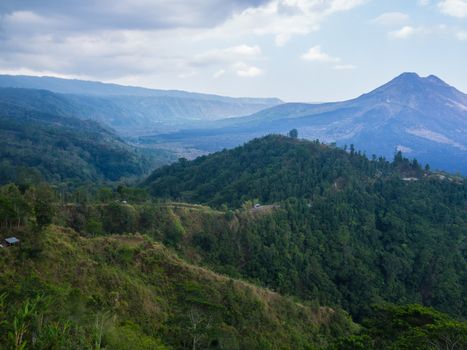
<point x="275" y="168"/>
<point x="114" y="268"/>
<point x="128" y="292"/>
<point x="347" y="230"/>
<point x="38" y="146"/>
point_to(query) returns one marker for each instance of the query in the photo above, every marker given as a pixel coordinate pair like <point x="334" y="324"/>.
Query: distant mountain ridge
<point x="86" y="87"/>
<point x="425" y="118"/>
<point x="135" y="110"/>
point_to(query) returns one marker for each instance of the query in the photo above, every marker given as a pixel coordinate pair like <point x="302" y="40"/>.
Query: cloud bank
<point x="119" y="39"/>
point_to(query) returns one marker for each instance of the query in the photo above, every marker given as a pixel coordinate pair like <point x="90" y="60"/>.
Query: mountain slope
<point x="35" y="145"/>
<point x="423" y="117"/>
<point x="272" y="168"/>
<point x="100" y="287"/>
<point x="336" y="227"/>
<point x="128" y="292"/>
<point x="133" y="110"/>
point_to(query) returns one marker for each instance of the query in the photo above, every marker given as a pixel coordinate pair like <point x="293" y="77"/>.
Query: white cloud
<point x="391" y="18"/>
<point x="244" y="70"/>
<point x="91" y="15"/>
<point x="230" y="54"/>
<point x="455" y="8"/>
<point x="186" y="75"/>
<point x="403" y="33"/>
<point x="316" y="54"/>
<point x="462" y="35"/>
<point x="344" y="67"/>
<point x="283" y="19"/>
<point x="24" y="18"/>
<point x="41" y="73"/>
<point x="407" y="32"/>
<point x="244" y="50"/>
<point x="423" y="3"/>
<point x="281" y="39"/>
<point x="219" y="73"/>
<point x="237" y="57"/>
<point x="152" y="40"/>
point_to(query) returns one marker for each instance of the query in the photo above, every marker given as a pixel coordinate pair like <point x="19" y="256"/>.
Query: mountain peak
<point x="406" y="78"/>
<point x="408" y="75"/>
<point x="411" y="78"/>
<point x="410" y="84"/>
<point x="434" y="79"/>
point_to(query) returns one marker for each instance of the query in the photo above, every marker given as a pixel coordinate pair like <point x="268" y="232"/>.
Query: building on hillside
<point x="11" y="241"/>
<point x="409" y="179"/>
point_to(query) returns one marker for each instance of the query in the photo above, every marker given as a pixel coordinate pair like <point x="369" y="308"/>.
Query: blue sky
<point x="298" y="50"/>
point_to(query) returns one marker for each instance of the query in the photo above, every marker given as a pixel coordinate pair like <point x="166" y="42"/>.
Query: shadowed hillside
<point x="38" y="146"/>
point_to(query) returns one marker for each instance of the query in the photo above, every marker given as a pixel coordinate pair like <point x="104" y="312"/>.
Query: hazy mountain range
<point x="129" y="110"/>
<point x="425" y="118"/>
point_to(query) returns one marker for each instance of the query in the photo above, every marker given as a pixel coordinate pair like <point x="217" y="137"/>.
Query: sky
<point x="297" y="50"/>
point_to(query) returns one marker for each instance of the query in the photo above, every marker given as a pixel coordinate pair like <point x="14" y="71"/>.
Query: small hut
<point x="10" y="241"/>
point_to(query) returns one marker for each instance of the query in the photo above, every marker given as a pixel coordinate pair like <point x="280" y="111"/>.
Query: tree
<point x="14" y="209"/>
<point x="199" y="325"/>
<point x="413" y="327"/>
<point x="44" y="209"/>
<point x="119" y="218"/>
<point x="293" y="133"/>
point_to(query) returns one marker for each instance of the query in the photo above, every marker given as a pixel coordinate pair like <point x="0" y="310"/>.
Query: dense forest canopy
<point x="124" y="291"/>
<point x="333" y="231"/>
<point x="276" y="168"/>
<point x="37" y="146"/>
<point x="345" y="230"/>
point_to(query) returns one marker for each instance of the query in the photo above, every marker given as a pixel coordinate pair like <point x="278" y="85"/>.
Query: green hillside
<point x="82" y="278"/>
<point x="274" y="168"/>
<point x="36" y="145"/>
<point x="128" y="292"/>
<point x="342" y="229"/>
<point x="334" y="233"/>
